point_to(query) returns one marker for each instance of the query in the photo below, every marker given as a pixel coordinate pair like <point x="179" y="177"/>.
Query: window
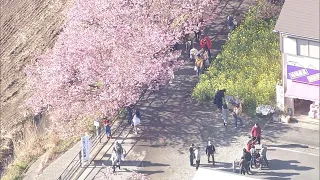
<point x="289" y="46"/>
<point x="314" y="49"/>
<point x="303" y="47"/>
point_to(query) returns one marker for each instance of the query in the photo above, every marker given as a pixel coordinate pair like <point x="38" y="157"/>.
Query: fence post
<point x="234" y="166"/>
<point x="80" y="158"/>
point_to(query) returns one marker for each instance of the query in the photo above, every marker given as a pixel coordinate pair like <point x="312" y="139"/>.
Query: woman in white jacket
<point x="197" y="157"/>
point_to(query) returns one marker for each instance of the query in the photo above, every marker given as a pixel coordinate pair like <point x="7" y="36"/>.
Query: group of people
<point x="255" y="157"/>
<point x="252" y="155"/>
<point x="219" y="100"/>
<point x="117" y="154"/>
<point x="195" y="154"/>
<point x="134" y="119"/>
<point x="201" y="57"/>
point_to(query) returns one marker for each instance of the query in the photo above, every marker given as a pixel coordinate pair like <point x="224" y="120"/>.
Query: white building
<point x="298" y="26"/>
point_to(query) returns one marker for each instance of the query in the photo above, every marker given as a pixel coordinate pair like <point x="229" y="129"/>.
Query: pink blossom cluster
<point x="107" y="53"/>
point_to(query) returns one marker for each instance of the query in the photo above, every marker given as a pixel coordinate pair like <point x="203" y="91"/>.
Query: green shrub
<point x="249" y="65"/>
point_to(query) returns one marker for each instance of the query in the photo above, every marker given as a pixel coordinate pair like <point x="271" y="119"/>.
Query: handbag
<point x="122" y="157"/>
<point x="195" y="68"/>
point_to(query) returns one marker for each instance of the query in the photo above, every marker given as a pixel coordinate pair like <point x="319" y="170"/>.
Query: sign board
<point x="280" y="97"/>
<point x="303" y="75"/>
<point x="85" y="149"/>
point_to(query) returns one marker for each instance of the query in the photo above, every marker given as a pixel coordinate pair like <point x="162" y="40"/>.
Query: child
<point x="243" y="166"/>
<point x="225" y="114"/>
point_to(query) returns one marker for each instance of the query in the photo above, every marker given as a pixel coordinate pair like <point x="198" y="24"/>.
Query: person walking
<point x="256" y="133"/>
<point x="205" y="57"/>
<point x="205" y="43"/>
<point x="225" y="114"/>
<point x="117" y="152"/>
<point x="210" y="150"/>
<point x="191" y="155"/>
<point x="253" y="153"/>
<point x="243" y="168"/>
<point x="107" y="127"/>
<point x="199" y="65"/>
<point x="236" y="115"/>
<point x="263" y="153"/>
<point x="197" y="157"/>
<point x="129" y="114"/>
<point x="247" y="157"/>
<point x="197" y="31"/>
<point x="136" y="121"/>
<point x="219" y="98"/>
<point x="114" y="160"/>
<point x="193" y="54"/>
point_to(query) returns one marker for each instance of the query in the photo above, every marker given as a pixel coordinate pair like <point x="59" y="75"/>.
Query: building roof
<point x="300" y="18"/>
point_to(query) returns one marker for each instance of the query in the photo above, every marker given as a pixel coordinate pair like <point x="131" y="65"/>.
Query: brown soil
<point x="28" y="28"/>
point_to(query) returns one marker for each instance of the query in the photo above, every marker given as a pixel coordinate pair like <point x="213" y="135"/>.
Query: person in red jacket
<point x="205" y="43"/>
<point x="256" y="133"/>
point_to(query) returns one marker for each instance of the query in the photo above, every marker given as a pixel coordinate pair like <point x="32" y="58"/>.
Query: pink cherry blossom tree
<point x="108" y="52"/>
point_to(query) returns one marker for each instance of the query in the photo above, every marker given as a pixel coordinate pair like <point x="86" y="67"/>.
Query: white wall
<point x="289" y="45"/>
<point x="314" y="49"/>
<point x="301" y="61"/>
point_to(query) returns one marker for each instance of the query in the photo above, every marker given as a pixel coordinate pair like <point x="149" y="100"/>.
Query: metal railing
<point x="75" y="164"/>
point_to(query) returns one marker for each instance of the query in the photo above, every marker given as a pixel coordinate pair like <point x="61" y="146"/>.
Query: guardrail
<point x="75" y="164"/>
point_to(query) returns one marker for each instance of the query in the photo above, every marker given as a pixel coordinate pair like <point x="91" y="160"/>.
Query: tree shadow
<point x="290" y="146"/>
<point x="105" y="163"/>
<point x="218" y="165"/>
<point x="277" y="164"/>
<point x="295" y="136"/>
<point x="149" y="172"/>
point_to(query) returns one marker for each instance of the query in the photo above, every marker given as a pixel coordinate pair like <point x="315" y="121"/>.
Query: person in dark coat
<point x="243" y="168"/>
<point x="129" y="114"/>
<point x="192" y="155"/>
<point x="210" y="151"/>
<point x="247" y="157"/>
<point x="218" y="98"/>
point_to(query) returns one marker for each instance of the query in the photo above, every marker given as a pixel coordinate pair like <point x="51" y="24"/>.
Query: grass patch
<point x="63" y="145"/>
<point x="50" y="147"/>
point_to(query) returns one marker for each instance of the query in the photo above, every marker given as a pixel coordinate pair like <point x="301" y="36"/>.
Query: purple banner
<point x="303" y="75"/>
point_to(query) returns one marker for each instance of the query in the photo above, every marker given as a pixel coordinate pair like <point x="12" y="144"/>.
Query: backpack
<point x="118" y="149"/>
<point x="213" y="148"/>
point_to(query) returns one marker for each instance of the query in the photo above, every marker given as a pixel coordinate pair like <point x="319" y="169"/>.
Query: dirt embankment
<point x="27" y="28"/>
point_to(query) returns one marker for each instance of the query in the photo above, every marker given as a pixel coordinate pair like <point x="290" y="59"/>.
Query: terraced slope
<point x="28" y="28"/>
